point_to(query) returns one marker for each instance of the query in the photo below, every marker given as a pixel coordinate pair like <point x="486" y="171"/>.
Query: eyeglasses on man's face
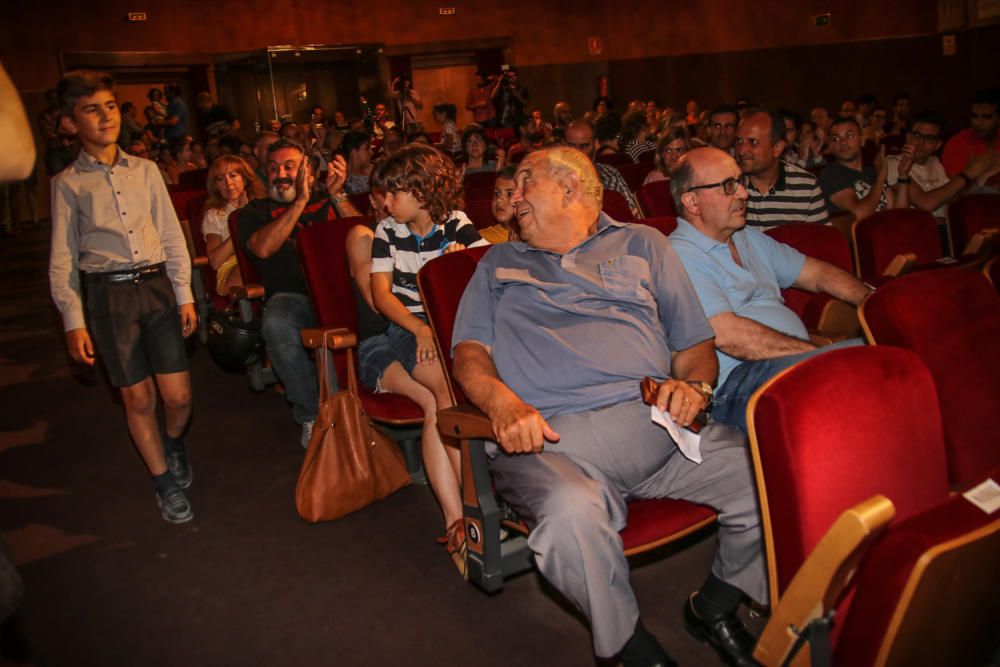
<point x="918" y="137"/>
<point x="729" y="186"/>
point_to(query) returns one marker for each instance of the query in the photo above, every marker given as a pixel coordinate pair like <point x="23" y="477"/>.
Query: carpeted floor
<point x="107" y="582"/>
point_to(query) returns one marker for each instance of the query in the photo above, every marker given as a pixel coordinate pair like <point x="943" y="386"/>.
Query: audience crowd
<point x="514" y="176"/>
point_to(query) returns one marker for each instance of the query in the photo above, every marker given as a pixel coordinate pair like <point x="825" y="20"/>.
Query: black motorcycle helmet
<point x="232" y="343"/>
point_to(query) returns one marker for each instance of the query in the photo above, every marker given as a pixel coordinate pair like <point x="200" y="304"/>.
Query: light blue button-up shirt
<point x="752" y="291"/>
<point x="112" y="218"/>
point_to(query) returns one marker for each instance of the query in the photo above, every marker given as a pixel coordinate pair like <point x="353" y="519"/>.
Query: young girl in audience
<point x="231" y="185"/>
<point x="180" y="159"/>
<point x="422" y="194"/>
<point x="445" y="115"/>
<point x="671" y="145"/>
<point x="503" y="210"/>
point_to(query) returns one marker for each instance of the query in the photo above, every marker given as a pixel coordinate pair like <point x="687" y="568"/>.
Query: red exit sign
<point x="446" y="11"/>
<point x="137" y="16"/>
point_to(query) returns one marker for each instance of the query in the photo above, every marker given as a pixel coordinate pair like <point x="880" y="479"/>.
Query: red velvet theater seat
<point x="880" y="237"/>
<point x="951" y="320"/>
<point x="210" y="299"/>
<point x="849" y="424"/>
<point x="651" y="523"/>
<point x="634" y="175"/>
<point x="480" y="179"/>
<point x="323" y="254"/>
<point x="832" y="431"/>
<point x="823" y="243"/>
<point x="480" y="212"/>
<point x="971" y="214"/>
<point x="616" y="206"/>
<point x="656" y="200"/>
<point x="195" y="178"/>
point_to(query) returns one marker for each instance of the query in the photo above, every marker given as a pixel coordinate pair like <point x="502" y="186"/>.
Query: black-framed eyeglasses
<point x="920" y="136"/>
<point x="729" y="186"/>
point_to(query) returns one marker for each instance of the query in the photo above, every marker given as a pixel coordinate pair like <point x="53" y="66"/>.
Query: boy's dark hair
<point x="844" y="121"/>
<point x="285" y="143"/>
<point x="507" y="173"/>
<point x="450" y="111"/>
<point x="81" y="83"/>
<point x="723" y="109"/>
<point x="931" y="117"/>
<point x="427" y="174"/>
<point x="352" y="141"/>
<point x="607" y="126"/>
<point x="792" y="115"/>
<point x="989" y="96"/>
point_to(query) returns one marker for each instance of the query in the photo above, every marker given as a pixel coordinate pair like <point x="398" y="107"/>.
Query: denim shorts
<point x="376" y="353"/>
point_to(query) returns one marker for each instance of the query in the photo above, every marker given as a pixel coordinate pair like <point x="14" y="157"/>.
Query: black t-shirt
<point x="281" y="271"/>
<point x="836" y="177"/>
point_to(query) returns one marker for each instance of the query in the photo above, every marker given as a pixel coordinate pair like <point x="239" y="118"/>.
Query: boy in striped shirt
<point x="422" y="193"/>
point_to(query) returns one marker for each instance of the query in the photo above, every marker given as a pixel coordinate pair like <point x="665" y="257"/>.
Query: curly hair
<point x="253" y="187"/>
<point x="427" y="174"/>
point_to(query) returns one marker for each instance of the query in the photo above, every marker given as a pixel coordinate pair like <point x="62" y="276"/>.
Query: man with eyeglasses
<point x="981" y="134"/>
<point x="849" y="185"/>
<point x="778" y="193"/>
<point x="738" y="273"/>
<point x="722" y="123"/>
<point x="930" y="187"/>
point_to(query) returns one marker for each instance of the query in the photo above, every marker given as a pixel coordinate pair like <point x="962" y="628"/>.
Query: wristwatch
<point x="339" y="198"/>
<point x="903" y="179"/>
<point x="702" y="386"/>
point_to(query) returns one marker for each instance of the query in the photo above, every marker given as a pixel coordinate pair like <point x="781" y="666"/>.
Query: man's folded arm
<point x="750" y="340"/>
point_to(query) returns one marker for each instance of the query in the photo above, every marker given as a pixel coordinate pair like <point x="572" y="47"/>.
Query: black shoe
<point x="643" y="650"/>
<point x="174" y="506"/>
<point x="726" y="634"/>
<point x="177" y="464"/>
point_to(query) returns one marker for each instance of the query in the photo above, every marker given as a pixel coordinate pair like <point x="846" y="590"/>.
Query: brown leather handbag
<point x="349" y="463"/>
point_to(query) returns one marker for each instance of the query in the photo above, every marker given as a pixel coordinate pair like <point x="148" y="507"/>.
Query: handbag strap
<point x="323" y="363"/>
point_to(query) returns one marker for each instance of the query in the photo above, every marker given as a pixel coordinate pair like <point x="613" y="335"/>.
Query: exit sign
<point x="595" y="46"/>
<point x="137" y="16"/>
<point x="446" y="11"/>
<point x="821" y="20"/>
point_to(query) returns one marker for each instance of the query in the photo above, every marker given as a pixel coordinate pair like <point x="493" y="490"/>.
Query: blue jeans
<point x="729" y="405"/>
<point x="285" y="315"/>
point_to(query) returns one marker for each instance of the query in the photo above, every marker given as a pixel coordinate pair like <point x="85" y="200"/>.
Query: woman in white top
<point x="231" y="184"/>
<point x="672" y="144"/>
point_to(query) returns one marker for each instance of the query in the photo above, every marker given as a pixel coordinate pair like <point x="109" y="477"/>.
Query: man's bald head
<point x="580" y="135"/>
<point x="698" y="186"/>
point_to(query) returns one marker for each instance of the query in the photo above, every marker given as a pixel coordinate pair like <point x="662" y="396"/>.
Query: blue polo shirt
<point x="578" y="331"/>
<point x="752" y="291"/>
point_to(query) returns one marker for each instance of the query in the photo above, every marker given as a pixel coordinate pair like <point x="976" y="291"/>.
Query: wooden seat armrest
<point x="818" y="339"/>
<point x="336" y="339"/>
<point x="465" y="422"/>
<point x="982" y="243"/>
<point x="839" y="320"/>
<point x="821" y="580"/>
<point x="900" y="265"/>
<point x="246" y="292"/>
<point x="199" y="261"/>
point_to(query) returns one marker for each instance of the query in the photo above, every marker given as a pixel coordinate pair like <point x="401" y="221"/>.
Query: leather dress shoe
<point x="726" y="634"/>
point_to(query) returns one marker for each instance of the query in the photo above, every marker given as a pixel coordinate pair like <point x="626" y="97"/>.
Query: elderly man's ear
<point x="570" y="184"/>
<point x="690" y="201"/>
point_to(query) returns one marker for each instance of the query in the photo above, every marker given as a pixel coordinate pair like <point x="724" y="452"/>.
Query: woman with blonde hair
<point x="231" y="184"/>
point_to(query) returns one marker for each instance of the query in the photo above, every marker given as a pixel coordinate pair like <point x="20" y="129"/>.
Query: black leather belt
<point x="131" y="275"/>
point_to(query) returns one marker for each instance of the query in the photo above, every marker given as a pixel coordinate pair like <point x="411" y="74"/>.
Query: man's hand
<point x="905" y="160"/>
<point x="426" y="350"/>
<point x="81" y="348"/>
<point x="500" y="155"/>
<point x="189" y="319"/>
<point x="681" y="400"/>
<point x="302" y="180"/>
<point x="520" y="429"/>
<point x="980" y="164"/>
<point x="453" y="247"/>
<point x="336" y="175"/>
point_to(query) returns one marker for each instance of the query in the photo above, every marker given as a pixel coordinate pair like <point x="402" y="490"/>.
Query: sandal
<point x="456" y="546"/>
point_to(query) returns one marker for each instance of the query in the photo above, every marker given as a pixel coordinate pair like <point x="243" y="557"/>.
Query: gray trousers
<point x="573" y="496"/>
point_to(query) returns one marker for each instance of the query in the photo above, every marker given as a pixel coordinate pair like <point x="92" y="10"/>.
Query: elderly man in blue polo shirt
<point x="738" y="273"/>
<point x="553" y="336"/>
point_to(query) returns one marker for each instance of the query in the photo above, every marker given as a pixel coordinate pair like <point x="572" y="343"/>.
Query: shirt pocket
<point x="624" y="276"/>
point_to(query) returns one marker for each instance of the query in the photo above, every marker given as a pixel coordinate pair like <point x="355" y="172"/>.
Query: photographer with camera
<point x="512" y="97"/>
<point x="405" y="103"/>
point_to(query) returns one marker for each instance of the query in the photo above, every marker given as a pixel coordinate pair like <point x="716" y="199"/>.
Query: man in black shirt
<point x="266" y="228"/>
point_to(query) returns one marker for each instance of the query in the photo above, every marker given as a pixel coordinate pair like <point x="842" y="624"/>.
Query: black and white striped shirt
<point x="794" y="197"/>
<point x="399" y="251"/>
